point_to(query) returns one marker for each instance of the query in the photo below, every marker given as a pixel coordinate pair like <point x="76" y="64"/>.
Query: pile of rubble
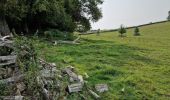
<point x="52" y="82"/>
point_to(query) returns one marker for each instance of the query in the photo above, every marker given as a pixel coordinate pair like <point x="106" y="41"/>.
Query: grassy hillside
<point x="140" y="65"/>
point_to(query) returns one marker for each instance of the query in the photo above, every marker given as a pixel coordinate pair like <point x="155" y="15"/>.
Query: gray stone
<point x="80" y="77"/>
<point x="21" y="86"/>
<point x="75" y="87"/>
<point x="101" y="87"/>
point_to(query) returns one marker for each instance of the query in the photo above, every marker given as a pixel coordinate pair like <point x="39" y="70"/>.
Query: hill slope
<point x="140" y="65"/>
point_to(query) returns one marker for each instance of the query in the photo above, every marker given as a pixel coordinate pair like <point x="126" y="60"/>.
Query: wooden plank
<point x="71" y="74"/>
<point x="5" y="37"/>
<point x="76" y="40"/>
<point x="10" y="57"/>
<point x="101" y="87"/>
<point x="12" y="79"/>
<point x="95" y="95"/>
<point x="8" y="44"/>
<point x="75" y="87"/>
<point x="7" y="60"/>
<point x="12" y="97"/>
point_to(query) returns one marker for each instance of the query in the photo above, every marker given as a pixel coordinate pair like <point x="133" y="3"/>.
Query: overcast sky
<point x="131" y="12"/>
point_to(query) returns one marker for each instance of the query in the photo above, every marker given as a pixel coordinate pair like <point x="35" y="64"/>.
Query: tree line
<point x="28" y="16"/>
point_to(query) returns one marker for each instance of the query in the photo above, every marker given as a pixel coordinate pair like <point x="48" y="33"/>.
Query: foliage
<point x="168" y="16"/>
<point x="122" y="30"/>
<point x="27" y="61"/>
<point x="65" y="15"/>
<point x="52" y="34"/>
<point x="4" y="89"/>
<point x="136" y="31"/>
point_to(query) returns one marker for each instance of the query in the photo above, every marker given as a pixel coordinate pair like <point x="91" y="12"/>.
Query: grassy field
<point x="140" y="65"/>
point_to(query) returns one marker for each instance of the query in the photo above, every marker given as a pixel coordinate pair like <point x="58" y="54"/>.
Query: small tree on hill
<point x="98" y="32"/>
<point x="169" y="16"/>
<point x="122" y="30"/>
<point x="136" y="31"/>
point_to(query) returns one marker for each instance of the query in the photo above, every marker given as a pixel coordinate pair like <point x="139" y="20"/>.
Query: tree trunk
<point x="4" y="29"/>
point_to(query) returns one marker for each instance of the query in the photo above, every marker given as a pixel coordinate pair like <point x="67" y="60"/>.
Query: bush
<point x="54" y="34"/>
<point x="168" y="16"/>
<point x="136" y="32"/>
<point x="27" y="61"/>
<point x="122" y="31"/>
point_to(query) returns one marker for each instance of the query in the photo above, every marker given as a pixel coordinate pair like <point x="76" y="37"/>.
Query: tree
<point x="122" y="30"/>
<point x="169" y="16"/>
<point x="4" y="29"/>
<point x="136" y="31"/>
<point x="28" y="16"/>
<point x="12" y="13"/>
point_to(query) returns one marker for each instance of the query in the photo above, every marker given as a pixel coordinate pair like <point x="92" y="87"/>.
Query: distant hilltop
<point x="112" y="30"/>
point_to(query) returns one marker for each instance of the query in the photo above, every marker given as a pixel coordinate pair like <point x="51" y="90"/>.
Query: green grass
<point x="139" y="64"/>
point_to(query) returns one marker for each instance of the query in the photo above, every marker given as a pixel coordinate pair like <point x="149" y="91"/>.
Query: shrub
<point x="53" y="34"/>
<point x="136" y="31"/>
<point x="168" y="16"/>
<point x="122" y="30"/>
<point x="27" y="61"/>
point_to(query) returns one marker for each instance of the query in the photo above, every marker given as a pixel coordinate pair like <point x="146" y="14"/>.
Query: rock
<point x="53" y="64"/>
<point x="71" y="79"/>
<point x="13" y="79"/>
<point x="45" y="94"/>
<point x="71" y="67"/>
<point x="86" y="75"/>
<point x="75" y="87"/>
<point x="71" y="74"/>
<point x="19" y="98"/>
<point x="18" y="93"/>
<point x="9" y="71"/>
<point x="80" y="77"/>
<point x="68" y="68"/>
<point x="101" y="87"/>
<point x="21" y="86"/>
<point x="47" y="74"/>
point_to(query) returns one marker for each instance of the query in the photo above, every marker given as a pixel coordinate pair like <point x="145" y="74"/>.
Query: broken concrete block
<point x="12" y="79"/>
<point x="19" y="98"/>
<point x="80" y="77"/>
<point x="47" y="73"/>
<point x="75" y="87"/>
<point x="71" y="74"/>
<point x="101" y="87"/>
<point x="9" y="71"/>
<point x="53" y="64"/>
